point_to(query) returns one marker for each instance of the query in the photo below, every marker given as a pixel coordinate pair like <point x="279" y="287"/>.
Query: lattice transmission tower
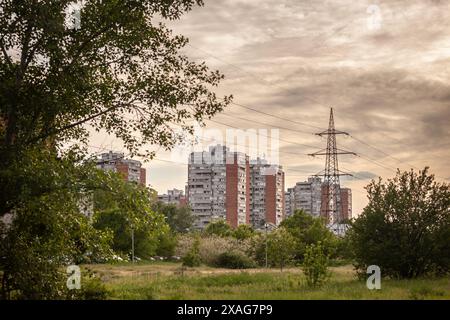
<point x="331" y="206"/>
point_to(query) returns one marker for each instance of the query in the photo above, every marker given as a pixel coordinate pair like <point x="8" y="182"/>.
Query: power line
<point x="292" y="142"/>
<point x="277" y="117"/>
<point x="265" y="123"/>
<point x="381" y="151"/>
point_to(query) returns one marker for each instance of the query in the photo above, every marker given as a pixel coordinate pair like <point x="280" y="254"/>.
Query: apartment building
<point x="306" y="196"/>
<point x="219" y="186"/>
<point x="267" y="203"/>
<point x="131" y="170"/>
<point x="289" y="200"/>
<point x="346" y="203"/>
<point x="173" y="196"/>
<point x="226" y="185"/>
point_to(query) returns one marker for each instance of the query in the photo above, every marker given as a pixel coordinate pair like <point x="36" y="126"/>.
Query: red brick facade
<point x="232" y="191"/>
<point x="122" y="168"/>
<point x="247" y="190"/>
<point x="232" y="194"/>
<point x="346" y="202"/>
<point x="283" y="202"/>
<point x="143" y="177"/>
<point x="271" y="195"/>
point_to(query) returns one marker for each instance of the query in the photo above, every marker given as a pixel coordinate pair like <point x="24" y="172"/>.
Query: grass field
<point x="165" y="281"/>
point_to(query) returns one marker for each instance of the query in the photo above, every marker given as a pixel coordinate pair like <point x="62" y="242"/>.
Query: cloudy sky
<point x="384" y="66"/>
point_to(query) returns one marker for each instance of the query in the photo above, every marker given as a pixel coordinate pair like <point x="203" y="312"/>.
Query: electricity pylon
<point x="331" y="208"/>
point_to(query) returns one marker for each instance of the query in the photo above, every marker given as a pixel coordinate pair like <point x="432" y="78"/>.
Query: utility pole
<point x="331" y="206"/>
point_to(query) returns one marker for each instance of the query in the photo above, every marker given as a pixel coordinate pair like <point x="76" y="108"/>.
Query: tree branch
<point x="77" y="123"/>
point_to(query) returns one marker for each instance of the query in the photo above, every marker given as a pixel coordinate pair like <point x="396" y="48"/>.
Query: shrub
<point x="315" y="265"/>
<point x="92" y="288"/>
<point x="192" y="258"/>
<point x="234" y="260"/>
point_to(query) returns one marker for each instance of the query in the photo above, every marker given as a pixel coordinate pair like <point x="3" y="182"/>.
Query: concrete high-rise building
<point x="225" y="185"/>
<point x="306" y="196"/>
<point x="131" y="170"/>
<point x="266" y="194"/>
<point x="289" y="202"/>
<point x="219" y="186"/>
<point x="173" y="196"/>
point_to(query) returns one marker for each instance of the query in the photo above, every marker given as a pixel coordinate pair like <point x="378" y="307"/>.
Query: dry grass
<point x="164" y="281"/>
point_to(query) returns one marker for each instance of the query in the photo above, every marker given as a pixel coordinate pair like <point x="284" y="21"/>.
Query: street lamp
<point x="266" y="226"/>
<point x="132" y="243"/>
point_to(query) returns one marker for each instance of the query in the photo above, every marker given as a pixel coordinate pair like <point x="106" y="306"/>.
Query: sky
<point x="383" y="66"/>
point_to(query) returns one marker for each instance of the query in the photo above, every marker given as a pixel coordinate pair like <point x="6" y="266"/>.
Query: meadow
<point x="167" y="280"/>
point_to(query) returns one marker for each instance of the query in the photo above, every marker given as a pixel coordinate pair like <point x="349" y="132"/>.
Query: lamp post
<point x="132" y="243"/>
<point x="266" y="226"/>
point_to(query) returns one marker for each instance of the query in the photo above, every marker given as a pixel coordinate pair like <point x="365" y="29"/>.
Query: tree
<point x="124" y="209"/>
<point x="48" y="231"/>
<point x="220" y="228"/>
<point x="315" y="265"/>
<point x="121" y="71"/>
<point x="179" y="218"/>
<point x="405" y="228"/>
<point x="308" y="230"/>
<point x="167" y="243"/>
<point x="280" y="248"/>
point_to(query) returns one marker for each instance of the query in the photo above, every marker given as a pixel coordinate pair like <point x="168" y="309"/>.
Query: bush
<point x="92" y="288"/>
<point x="315" y="265"/>
<point x="405" y="228"/>
<point x="192" y="258"/>
<point x="234" y="260"/>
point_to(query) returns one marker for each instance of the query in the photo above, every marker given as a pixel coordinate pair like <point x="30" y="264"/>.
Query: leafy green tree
<point x="167" y="243"/>
<point x="124" y="209"/>
<point x="179" y="218"/>
<point x="219" y="228"/>
<point x="278" y="246"/>
<point x="48" y="231"/>
<point x="281" y="248"/>
<point x="315" y="265"/>
<point x="122" y="72"/>
<point x="308" y="230"/>
<point x="405" y="228"/>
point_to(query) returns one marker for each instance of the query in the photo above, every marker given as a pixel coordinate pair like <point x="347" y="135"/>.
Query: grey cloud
<point x="389" y="87"/>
